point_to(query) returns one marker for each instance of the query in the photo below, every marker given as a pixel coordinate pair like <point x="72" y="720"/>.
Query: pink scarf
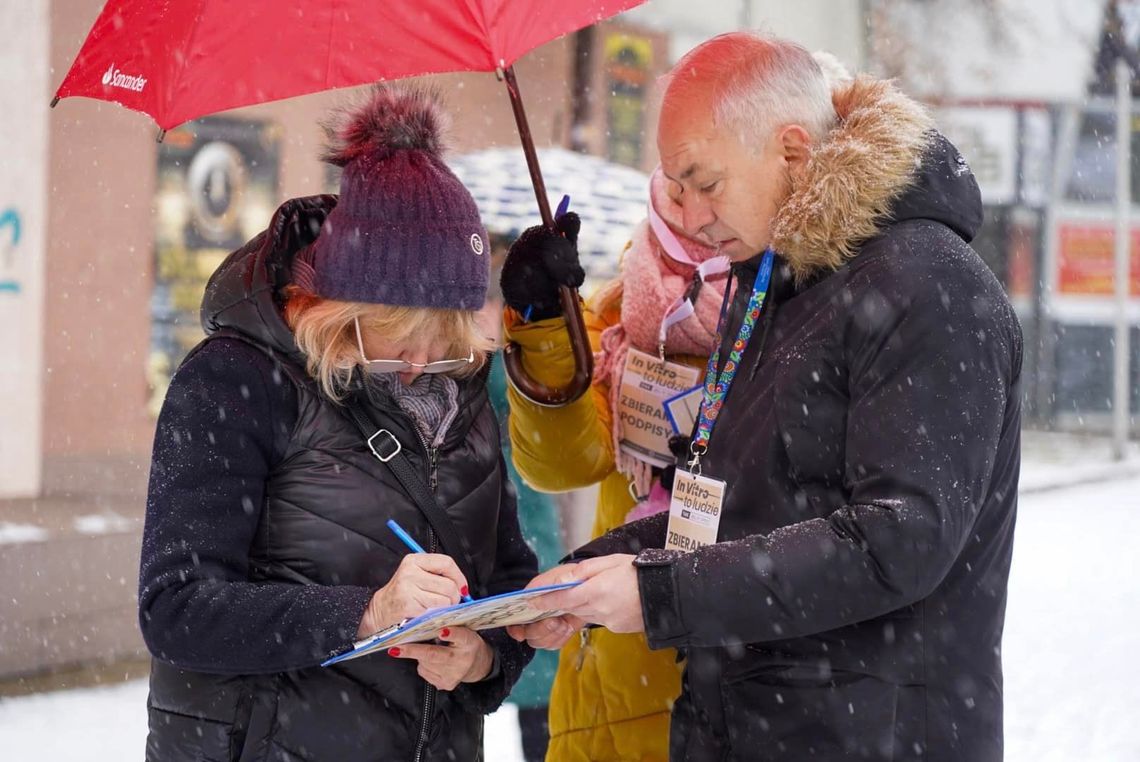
<point x="656" y="272"/>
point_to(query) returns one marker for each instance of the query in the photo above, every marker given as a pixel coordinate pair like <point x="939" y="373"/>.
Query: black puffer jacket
<point x="265" y="538"/>
<point x="853" y="606"/>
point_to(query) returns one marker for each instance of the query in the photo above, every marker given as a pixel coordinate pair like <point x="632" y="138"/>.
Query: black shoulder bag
<point x="388" y="450"/>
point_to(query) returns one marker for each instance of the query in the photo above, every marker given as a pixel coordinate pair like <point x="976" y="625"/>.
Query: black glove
<point x="538" y="263"/>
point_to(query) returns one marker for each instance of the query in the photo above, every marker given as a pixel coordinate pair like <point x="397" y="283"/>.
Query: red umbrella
<point x="181" y="59"/>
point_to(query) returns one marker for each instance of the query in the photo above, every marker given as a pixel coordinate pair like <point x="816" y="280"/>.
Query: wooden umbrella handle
<point x="540" y="393"/>
<point x="537" y="392"/>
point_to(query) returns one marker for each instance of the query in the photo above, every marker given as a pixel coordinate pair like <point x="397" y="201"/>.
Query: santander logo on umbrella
<point x="115" y="78"/>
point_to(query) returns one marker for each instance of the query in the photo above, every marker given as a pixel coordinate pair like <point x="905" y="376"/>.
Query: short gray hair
<point x="759" y="84"/>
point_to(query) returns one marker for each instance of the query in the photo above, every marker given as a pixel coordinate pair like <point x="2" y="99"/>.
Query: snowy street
<point x="1072" y="680"/>
<point x="1071" y="675"/>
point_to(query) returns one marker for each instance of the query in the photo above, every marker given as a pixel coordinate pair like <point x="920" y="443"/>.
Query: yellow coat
<point x="612" y="696"/>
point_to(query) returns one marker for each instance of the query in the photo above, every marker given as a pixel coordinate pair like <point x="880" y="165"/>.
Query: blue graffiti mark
<point x="9" y="218"/>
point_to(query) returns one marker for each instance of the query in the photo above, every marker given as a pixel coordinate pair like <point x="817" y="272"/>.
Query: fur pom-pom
<point x="393" y="118"/>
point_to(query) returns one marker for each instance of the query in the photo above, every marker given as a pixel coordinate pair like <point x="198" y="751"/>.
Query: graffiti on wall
<point x="9" y="242"/>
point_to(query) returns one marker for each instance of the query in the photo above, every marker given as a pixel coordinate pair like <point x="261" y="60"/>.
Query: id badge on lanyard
<point x="697" y="501"/>
<point x="646" y="383"/>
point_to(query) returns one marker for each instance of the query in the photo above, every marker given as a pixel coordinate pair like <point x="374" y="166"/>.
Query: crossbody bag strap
<point x="383" y="444"/>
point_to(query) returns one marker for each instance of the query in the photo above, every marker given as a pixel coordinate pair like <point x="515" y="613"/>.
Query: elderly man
<point x="835" y="557"/>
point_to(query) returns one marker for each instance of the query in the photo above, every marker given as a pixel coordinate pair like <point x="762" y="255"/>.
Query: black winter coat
<point x="853" y="606"/>
<point x="265" y="539"/>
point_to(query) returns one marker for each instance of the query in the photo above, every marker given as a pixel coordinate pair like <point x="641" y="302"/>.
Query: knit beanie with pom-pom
<point x="405" y="231"/>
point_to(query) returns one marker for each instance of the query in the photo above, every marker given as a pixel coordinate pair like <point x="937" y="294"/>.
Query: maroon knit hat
<point x="405" y="231"/>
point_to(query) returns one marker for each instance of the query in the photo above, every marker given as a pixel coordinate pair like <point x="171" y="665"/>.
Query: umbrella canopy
<point x="610" y="198"/>
<point x="181" y="59"/>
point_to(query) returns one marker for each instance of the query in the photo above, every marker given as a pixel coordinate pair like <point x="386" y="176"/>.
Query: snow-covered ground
<point x="1072" y="676"/>
<point x="108" y="724"/>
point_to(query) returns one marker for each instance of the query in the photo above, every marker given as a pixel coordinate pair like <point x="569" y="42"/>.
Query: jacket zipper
<point x="433" y="473"/>
<point x="433" y="545"/>
<point x="433" y="458"/>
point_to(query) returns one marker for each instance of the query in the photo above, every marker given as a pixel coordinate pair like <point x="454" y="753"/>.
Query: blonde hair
<point x="325" y="334"/>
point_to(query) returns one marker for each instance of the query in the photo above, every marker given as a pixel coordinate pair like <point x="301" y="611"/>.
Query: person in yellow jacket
<point x="654" y="326"/>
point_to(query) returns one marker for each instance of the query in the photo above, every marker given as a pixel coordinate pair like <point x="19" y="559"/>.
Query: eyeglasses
<point x="399" y="366"/>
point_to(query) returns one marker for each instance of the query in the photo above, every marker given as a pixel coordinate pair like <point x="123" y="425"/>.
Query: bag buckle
<point x="382" y="457"/>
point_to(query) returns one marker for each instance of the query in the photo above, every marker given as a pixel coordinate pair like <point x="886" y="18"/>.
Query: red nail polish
<point x="444" y="632"/>
<point x="464" y="591"/>
<point x="393" y="652"/>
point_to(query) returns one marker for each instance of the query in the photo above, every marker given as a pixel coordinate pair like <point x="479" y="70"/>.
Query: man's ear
<point x="795" y="146"/>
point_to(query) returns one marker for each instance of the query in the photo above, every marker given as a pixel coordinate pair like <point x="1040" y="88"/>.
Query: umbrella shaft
<point x="528" y="147"/>
<point x="579" y="341"/>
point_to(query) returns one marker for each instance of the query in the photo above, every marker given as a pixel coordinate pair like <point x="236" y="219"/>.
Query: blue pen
<point x="411" y="543"/>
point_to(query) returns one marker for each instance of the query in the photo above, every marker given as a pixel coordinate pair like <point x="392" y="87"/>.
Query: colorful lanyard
<point x="716" y="389"/>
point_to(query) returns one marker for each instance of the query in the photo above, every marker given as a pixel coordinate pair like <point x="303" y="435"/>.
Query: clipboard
<point x="484" y="614"/>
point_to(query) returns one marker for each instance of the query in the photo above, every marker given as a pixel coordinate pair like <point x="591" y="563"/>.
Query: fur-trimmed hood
<point x="882" y="163"/>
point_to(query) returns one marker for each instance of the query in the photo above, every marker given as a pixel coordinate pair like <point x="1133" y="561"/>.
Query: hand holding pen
<point x="422" y="581"/>
<point x="458" y="655"/>
<point x="415" y="547"/>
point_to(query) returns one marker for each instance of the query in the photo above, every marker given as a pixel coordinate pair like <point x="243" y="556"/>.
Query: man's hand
<point x="607" y="596"/>
<point x="464" y="658"/>
<point x="550" y="634"/>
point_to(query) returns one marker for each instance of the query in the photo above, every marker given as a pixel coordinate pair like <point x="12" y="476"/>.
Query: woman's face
<point x="417" y="349"/>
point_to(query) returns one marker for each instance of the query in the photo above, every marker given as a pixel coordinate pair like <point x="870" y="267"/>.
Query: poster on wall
<point x="1086" y="259"/>
<point x="24" y="58"/>
<point x="628" y="60"/>
<point x="216" y="189"/>
<point x="1022" y="234"/>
